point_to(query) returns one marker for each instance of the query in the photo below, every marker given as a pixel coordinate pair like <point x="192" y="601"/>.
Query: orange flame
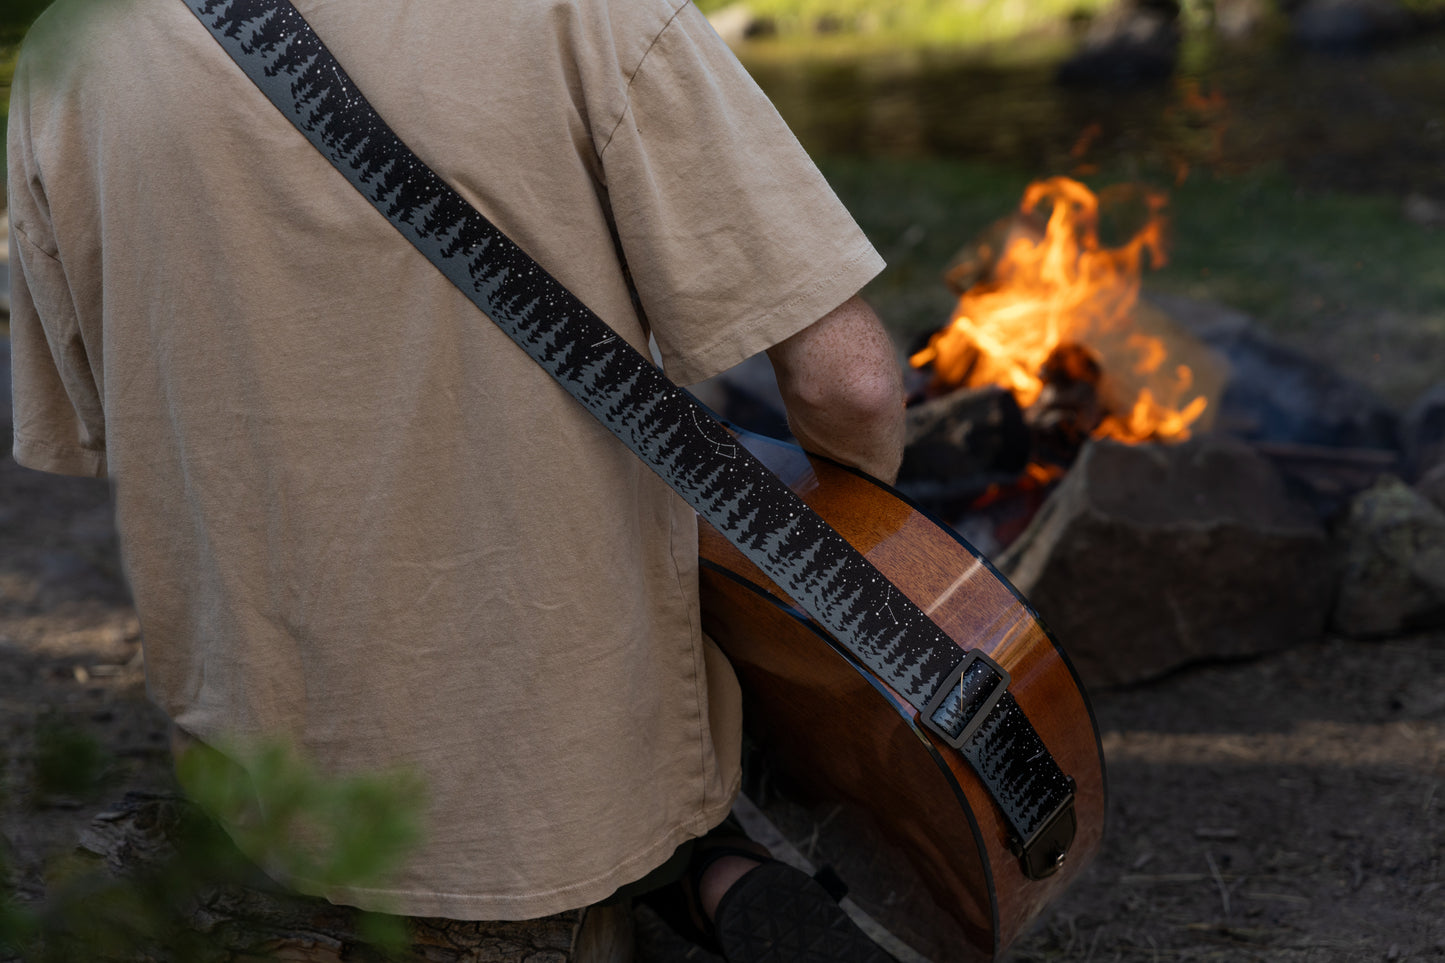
<point x="1067" y="288"/>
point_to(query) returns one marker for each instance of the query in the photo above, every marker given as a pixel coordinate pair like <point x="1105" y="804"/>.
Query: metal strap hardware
<point x="964" y="699"/>
<point x="1043" y="853"/>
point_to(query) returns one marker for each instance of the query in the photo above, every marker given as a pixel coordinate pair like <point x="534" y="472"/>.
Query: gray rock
<point x="1423" y="210"/>
<point x="1423" y="432"/>
<point x="1348" y="25"/>
<point x="1432" y="486"/>
<point x="1132" y="42"/>
<point x="1150" y="557"/>
<point x="1393" y="540"/>
<point x="1243" y="19"/>
<point x="1276" y="393"/>
<point x="736" y="23"/>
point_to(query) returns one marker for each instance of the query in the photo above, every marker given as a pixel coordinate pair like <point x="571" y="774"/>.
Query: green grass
<point x="1347" y="279"/>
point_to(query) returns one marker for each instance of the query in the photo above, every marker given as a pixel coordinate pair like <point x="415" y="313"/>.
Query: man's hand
<point x="843" y="389"/>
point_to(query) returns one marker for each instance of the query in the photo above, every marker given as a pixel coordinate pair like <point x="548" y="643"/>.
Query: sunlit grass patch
<point x="951" y="22"/>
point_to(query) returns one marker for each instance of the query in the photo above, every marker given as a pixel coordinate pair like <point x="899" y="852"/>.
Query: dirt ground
<point x="1286" y="809"/>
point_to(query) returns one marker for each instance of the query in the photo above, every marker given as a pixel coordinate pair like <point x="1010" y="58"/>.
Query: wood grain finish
<point x="842" y="731"/>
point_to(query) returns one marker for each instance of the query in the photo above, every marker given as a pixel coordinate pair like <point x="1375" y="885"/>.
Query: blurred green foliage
<point x="300" y="824"/>
<point x="68" y="761"/>
<point x="16" y="16"/>
<point x="281" y="813"/>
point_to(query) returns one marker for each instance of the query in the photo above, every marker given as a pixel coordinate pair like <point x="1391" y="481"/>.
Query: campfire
<point x="1048" y="347"/>
<point x="1053" y="320"/>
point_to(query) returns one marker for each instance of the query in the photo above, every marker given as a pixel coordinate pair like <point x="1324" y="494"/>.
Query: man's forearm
<point x="843" y="389"/>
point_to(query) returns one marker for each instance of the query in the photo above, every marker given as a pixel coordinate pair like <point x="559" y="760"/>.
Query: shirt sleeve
<point x="59" y="424"/>
<point x="59" y="421"/>
<point x="733" y="238"/>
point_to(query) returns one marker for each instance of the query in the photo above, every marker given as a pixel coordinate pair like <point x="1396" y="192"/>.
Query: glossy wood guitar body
<point x="837" y="730"/>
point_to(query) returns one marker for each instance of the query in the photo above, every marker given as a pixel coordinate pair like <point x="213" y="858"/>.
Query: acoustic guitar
<point x="914" y="833"/>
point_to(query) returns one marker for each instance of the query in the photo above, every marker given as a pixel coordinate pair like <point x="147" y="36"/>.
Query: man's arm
<point x="843" y="389"/>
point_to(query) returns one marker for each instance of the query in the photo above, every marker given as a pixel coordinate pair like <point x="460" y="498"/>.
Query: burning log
<point x="958" y="445"/>
<point x="1068" y="409"/>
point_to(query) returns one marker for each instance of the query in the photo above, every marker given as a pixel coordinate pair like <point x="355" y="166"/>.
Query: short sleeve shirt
<point x="352" y="512"/>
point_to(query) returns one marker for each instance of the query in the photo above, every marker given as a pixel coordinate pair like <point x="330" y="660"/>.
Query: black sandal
<point x="773" y="914"/>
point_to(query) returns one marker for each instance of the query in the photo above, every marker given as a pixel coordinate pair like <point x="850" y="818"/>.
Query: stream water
<point x="1368" y="122"/>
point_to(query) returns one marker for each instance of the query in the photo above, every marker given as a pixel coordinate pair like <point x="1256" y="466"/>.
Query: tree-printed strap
<point x="661" y="423"/>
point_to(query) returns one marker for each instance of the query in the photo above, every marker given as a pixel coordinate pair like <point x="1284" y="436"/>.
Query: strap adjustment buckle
<point x="964" y="699"/>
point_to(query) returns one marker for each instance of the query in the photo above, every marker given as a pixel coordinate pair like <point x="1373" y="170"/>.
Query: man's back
<point x="352" y="512"/>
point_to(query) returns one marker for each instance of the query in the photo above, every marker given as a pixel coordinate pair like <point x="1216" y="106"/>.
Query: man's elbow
<point x="858" y="421"/>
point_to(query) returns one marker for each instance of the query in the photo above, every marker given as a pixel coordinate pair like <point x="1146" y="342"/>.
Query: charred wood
<point x="1068" y="408"/>
<point x="958" y="445"/>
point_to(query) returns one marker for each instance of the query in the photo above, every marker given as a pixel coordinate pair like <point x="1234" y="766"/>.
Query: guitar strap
<point x="966" y="703"/>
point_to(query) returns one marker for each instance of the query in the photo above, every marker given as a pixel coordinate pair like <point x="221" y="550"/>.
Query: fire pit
<point x="1164" y="483"/>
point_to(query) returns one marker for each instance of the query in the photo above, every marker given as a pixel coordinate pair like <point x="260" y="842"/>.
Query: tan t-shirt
<point x="352" y="512"/>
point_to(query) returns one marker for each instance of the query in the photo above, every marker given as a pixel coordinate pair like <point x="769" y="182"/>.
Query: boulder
<point x="1432" y="486"/>
<point x="1423" y="432"/>
<point x="1348" y="25"/>
<point x="1243" y="19"/>
<point x="1132" y="42"/>
<point x="1276" y="393"/>
<point x="1393" y="542"/>
<point x="1150" y="557"/>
